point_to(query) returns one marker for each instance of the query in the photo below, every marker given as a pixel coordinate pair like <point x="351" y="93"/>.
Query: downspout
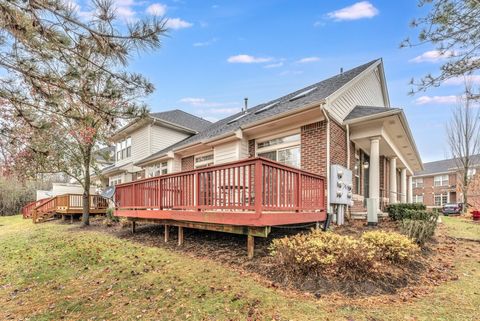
<point x="348" y="146"/>
<point x="328" y="158"/>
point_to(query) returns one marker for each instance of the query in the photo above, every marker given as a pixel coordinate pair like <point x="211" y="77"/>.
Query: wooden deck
<point x="67" y="204"/>
<point x="246" y="197"/>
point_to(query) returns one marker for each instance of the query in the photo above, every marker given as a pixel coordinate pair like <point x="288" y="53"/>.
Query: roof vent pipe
<point x="341" y="70"/>
<point x="246" y="104"/>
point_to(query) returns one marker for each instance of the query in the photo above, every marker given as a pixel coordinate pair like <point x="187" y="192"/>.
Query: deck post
<point x="134" y="226"/>
<point x="64" y="217"/>
<point x="250" y="246"/>
<point x="71" y="219"/>
<point x="167" y="233"/>
<point x="180" y="236"/>
<point x="258" y="187"/>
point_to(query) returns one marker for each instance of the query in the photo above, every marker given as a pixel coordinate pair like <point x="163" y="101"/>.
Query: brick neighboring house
<point x="439" y="184"/>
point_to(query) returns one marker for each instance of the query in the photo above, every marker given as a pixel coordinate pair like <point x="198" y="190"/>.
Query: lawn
<point x="462" y="228"/>
<point x="55" y="271"/>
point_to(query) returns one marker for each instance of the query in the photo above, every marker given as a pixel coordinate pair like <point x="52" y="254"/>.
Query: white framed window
<point x="158" y="169"/>
<point x="418" y="198"/>
<point x="115" y="180"/>
<point x="203" y="160"/>
<point x="471" y="172"/>
<point x="417" y="182"/>
<point x="285" y="150"/>
<point x="124" y="149"/>
<point x="440" y="199"/>
<point x="440" y="180"/>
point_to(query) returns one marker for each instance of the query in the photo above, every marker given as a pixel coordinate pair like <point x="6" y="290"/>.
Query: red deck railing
<point x="27" y="209"/>
<point x="254" y="185"/>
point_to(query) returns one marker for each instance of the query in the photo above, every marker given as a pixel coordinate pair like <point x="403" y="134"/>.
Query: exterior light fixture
<point x="366" y="164"/>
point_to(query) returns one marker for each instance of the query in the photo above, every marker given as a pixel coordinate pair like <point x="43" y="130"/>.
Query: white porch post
<point x="410" y="190"/>
<point x="374" y="170"/>
<point x="393" y="180"/>
<point x="403" y="183"/>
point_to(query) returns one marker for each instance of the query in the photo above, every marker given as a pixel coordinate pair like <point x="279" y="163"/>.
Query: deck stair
<point x="65" y="205"/>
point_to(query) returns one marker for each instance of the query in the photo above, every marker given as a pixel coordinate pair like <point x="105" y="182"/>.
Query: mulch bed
<point x="436" y="264"/>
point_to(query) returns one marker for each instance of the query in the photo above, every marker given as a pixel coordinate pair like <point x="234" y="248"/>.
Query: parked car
<point x="452" y="208"/>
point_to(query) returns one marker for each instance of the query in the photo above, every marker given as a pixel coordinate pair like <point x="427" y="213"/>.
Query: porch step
<point x="363" y="215"/>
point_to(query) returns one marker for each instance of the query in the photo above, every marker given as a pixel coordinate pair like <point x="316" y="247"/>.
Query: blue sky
<point x="219" y="52"/>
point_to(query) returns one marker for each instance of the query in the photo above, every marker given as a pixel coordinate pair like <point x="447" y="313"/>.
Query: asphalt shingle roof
<point x="184" y="119"/>
<point x="313" y="93"/>
<point x="443" y="166"/>
<point x="362" y="111"/>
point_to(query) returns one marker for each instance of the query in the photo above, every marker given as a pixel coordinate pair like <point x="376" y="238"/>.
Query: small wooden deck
<point x="66" y="204"/>
<point x="244" y="197"/>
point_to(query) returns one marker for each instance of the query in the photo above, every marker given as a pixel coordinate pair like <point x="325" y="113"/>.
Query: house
<point x="270" y="164"/>
<point x="140" y="139"/>
<point x="439" y="182"/>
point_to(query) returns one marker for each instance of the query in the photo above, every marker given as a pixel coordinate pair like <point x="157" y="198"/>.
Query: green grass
<point x="51" y="271"/>
<point x="462" y="228"/>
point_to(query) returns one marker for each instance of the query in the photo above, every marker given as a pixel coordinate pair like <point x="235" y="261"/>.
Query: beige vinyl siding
<point x="224" y="153"/>
<point x="243" y="149"/>
<point x="162" y="137"/>
<point x="366" y="92"/>
<point x="140" y="146"/>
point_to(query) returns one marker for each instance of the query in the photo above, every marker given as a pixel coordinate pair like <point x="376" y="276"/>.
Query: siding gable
<point x="367" y="91"/>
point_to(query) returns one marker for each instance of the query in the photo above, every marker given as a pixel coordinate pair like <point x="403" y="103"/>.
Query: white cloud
<point x="359" y="10"/>
<point x="202" y="102"/>
<point x="177" y="23"/>
<point x="275" y="65"/>
<point x="157" y="9"/>
<point x="319" y="23"/>
<point x="125" y="13"/>
<point x="290" y="72"/>
<point x="247" y="59"/>
<point x="456" y="81"/>
<point x="433" y="56"/>
<point x="205" y="43"/>
<point x="439" y="100"/>
<point x="307" y="60"/>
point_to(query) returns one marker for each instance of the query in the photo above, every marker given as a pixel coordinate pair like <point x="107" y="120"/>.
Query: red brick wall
<point x="429" y="190"/>
<point x="188" y="163"/>
<point x="251" y="148"/>
<point x="314" y="148"/>
<point x="338" y="144"/>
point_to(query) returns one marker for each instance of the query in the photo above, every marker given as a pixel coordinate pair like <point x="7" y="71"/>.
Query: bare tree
<point x="463" y="133"/>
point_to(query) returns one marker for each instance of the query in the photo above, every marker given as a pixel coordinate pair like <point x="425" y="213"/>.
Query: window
<point x="417" y="182"/>
<point x="115" y="180"/>
<point x="203" y="160"/>
<point x="471" y="172"/>
<point x="356" y="172"/>
<point x="158" y="169"/>
<point x="418" y="199"/>
<point x="285" y="150"/>
<point x="440" y="180"/>
<point x="124" y="149"/>
<point x="441" y="199"/>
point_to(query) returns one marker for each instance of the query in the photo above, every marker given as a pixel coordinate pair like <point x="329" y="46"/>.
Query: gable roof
<point x="444" y="166"/>
<point x="366" y="111"/>
<point x="183" y="119"/>
<point x="292" y="101"/>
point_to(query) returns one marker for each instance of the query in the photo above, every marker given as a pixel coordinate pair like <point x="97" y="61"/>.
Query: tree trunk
<point x="86" y="191"/>
<point x="465" y="191"/>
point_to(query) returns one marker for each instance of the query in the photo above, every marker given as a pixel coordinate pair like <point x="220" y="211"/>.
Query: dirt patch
<point x="435" y="266"/>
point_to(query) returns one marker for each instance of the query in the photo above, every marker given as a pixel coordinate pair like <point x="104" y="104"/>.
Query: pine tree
<point x="67" y="88"/>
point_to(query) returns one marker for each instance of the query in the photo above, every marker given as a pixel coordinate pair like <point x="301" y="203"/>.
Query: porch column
<point x="410" y="190"/>
<point x="374" y="170"/>
<point x="393" y="180"/>
<point x="403" y="184"/>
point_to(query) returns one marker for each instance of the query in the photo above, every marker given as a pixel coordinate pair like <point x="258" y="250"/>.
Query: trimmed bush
<point x="419" y="230"/>
<point x="390" y="246"/>
<point x="322" y="253"/>
<point x="420" y="215"/>
<point x="397" y="211"/>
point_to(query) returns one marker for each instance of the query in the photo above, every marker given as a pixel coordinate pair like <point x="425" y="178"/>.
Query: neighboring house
<point x="140" y="139"/>
<point x="345" y="119"/>
<point x="439" y="183"/>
